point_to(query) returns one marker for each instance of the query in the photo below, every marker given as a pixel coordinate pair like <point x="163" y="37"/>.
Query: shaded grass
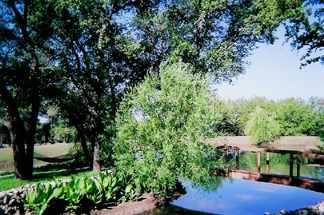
<point x="48" y="150"/>
<point x="43" y="171"/>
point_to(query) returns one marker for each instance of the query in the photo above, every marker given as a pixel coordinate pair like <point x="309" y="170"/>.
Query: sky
<point x="273" y="72"/>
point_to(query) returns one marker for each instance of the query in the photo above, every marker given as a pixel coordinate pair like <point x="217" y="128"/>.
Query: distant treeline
<point x="293" y="116"/>
<point x="53" y="128"/>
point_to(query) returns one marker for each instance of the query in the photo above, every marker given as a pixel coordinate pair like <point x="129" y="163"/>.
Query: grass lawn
<point x="9" y="181"/>
<point x="48" y="150"/>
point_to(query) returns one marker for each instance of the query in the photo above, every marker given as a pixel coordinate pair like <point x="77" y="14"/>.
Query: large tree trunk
<point x="96" y="165"/>
<point x="21" y="146"/>
<point x="19" y="152"/>
<point x="23" y="142"/>
<point x="22" y="152"/>
<point x="23" y="160"/>
<point x="85" y="148"/>
<point x="23" y="138"/>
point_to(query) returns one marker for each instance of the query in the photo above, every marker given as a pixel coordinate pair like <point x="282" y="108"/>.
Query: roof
<point x="290" y="144"/>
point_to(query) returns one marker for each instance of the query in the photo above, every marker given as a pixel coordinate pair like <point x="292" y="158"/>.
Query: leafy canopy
<point x="262" y="126"/>
<point x="160" y="128"/>
<point x="299" y="118"/>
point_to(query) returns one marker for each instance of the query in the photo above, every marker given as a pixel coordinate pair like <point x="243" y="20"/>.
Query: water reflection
<point x="218" y="195"/>
<point x="279" y="164"/>
<point x="240" y="197"/>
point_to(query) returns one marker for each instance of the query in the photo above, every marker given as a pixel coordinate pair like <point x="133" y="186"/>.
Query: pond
<point x="238" y="196"/>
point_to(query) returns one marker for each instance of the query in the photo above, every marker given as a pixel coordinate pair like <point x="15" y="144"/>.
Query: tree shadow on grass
<point x="9" y="181"/>
<point x="51" y="174"/>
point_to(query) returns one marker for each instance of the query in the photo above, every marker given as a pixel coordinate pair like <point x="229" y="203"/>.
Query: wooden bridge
<point x="294" y="146"/>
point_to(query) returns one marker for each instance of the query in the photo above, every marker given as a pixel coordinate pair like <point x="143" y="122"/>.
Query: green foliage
<point x="262" y="126"/>
<point x="63" y="133"/>
<point x="295" y="116"/>
<point x="8" y="181"/>
<point x="245" y="107"/>
<point x="216" y="36"/>
<point x="80" y="193"/>
<point x="305" y="31"/>
<point x="78" y="153"/>
<point x="84" y="56"/>
<point x="228" y="123"/>
<point x="160" y="128"/>
<point x="299" y="118"/>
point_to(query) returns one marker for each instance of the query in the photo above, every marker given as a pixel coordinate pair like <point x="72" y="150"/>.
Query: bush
<point x="160" y="129"/>
<point x="80" y="194"/>
<point x="262" y="127"/>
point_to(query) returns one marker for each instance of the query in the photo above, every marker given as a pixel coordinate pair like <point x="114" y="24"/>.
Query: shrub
<point x="80" y="194"/>
<point x="262" y="127"/>
<point x="160" y="127"/>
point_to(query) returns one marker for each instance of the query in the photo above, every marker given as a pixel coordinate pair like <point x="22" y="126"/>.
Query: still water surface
<point x="236" y="196"/>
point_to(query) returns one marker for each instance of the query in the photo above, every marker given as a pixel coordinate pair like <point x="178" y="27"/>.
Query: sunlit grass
<point x="9" y="181"/>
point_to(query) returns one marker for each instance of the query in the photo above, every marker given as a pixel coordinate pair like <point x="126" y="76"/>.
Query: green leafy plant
<point x="75" y="193"/>
<point x="262" y="126"/>
<point x="160" y="129"/>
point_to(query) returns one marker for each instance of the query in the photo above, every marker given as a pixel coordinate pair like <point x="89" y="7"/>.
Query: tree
<point x="161" y="126"/>
<point x="85" y="55"/>
<point x="214" y="36"/>
<point x="25" y="75"/>
<point x="2" y="111"/>
<point x="245" y="107"/>
<point x="262" y="126"/>
<point x="305" y="31"/>
<point x="296" y="117"/>
<point x="108" y="47"/>
<point x="317" y="104"/>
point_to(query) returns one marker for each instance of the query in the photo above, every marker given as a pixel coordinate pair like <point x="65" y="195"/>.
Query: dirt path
<point x="146" y="203"/>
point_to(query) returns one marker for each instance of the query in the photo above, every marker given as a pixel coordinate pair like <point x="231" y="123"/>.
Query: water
<point x="279" y="164"/>
<point x="235" y="196"/>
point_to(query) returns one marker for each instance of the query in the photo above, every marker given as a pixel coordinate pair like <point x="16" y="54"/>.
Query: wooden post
<point x="267" y="162"/>
<point x="226" y="153"/>
<point x="258" y="161"/>
<point x="96" y="166"/>
<point x="298" y="166"/>
<point x="237" y="158"/>
<point x="291" y="164"/>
